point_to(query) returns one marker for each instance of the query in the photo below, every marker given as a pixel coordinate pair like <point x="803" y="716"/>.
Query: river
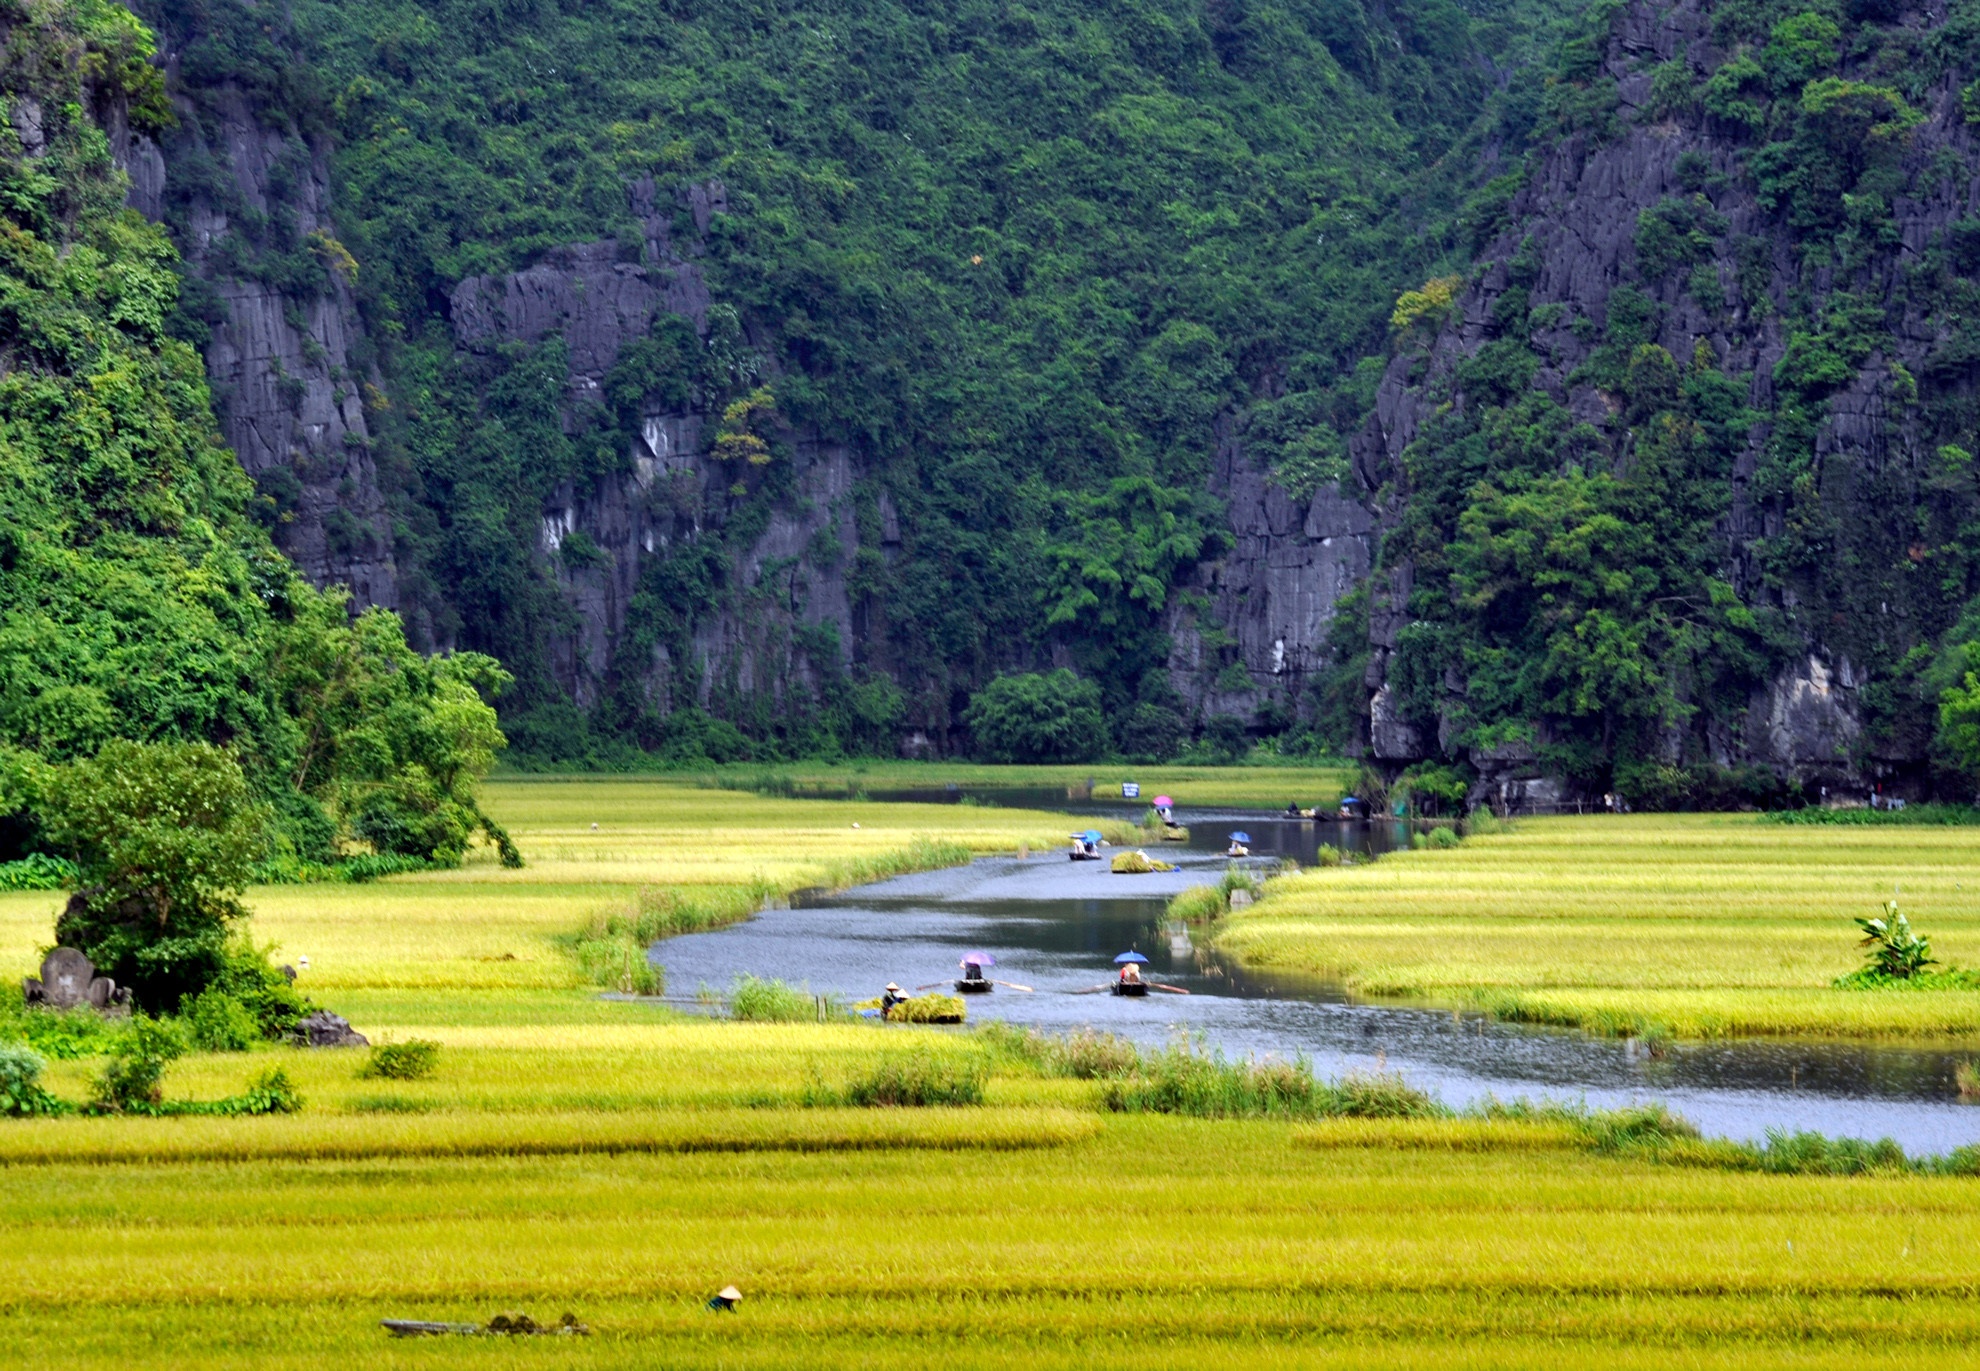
<point x="1055" y="926"/>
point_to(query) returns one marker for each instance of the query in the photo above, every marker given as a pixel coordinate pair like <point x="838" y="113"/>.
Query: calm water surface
<point x="1056" y="925"/>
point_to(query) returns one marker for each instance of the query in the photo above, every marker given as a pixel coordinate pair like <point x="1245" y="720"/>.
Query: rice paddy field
<point x="622" y="1161"/>
<point x="1703" y="925"/>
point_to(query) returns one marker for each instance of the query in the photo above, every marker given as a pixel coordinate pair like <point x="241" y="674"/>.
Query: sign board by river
<point x="1130" y="791"/>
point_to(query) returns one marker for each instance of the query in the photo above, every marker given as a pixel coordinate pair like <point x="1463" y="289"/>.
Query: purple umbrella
<point x="978" y="959"/>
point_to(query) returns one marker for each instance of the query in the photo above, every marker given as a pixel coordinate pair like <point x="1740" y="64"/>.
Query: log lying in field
<point x="502" y="1325"/>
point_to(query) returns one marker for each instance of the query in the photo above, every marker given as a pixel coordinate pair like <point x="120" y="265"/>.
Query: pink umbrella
<point x="1163" y="802"/>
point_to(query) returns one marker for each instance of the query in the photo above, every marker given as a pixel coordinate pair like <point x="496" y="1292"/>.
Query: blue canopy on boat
<point x="1129" y="957"/>
<point x="1092" y="835"/>
<point x="1349" y="800"/>
<point x="1240" y="837"/>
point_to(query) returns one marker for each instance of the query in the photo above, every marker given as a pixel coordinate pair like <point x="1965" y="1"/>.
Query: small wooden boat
<point x="973" y="985"/>
<point x="1133" y="989"/>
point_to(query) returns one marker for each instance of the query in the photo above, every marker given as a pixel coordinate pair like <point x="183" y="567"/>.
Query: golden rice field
<point x="1706" y="925"/>
<point x="590" y="845"/>
<point x="623" y="1162"/>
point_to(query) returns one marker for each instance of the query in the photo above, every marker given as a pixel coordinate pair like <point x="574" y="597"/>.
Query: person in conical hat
<point x="890" y="997"/>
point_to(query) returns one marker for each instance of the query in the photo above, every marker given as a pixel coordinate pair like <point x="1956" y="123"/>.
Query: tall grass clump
<point x="1182" y="1080"/>
<point x="612" y="952"/>
<point x="1084" y="1055"/>
<point x="770" y="1001"/>
<point x="923" y="853"/>
<point x="1199" y="904"/>
<point x="917" y="1080"/>
<point x="1634" y="1128"/>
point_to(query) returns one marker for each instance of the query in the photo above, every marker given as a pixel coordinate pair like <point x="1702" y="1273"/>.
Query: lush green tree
<point x="166" y="836"/>
<point x="1033" y="717"/>
<point x="392" y="743"/>
<point x="1959" y="717"/>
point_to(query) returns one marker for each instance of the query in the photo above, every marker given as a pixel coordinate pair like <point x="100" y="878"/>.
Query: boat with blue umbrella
<point x="1237" y="847"/>
<point x="1085" y="846"/>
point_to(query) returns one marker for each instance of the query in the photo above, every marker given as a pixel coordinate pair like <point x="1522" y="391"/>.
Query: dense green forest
<point x="139" y="600"/>
<point x="1035" y="267"/>
<point x="1024" y="259"/>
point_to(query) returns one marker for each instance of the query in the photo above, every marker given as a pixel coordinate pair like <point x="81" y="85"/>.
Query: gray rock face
<point x="1272" y="596"/>
<point x="591" y="294"/>
<point x="791" y="578"/>
<point x="289" y="398"/>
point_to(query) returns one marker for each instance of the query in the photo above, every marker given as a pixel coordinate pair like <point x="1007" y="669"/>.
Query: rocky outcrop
<point x="1267" y="603"/>
<point x="1575" y="223"/>
<point x="289" y="394"/>
<point x="791" y="577"/>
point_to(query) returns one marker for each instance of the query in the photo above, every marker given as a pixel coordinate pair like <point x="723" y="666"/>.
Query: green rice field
<point x="622" y="1161"/>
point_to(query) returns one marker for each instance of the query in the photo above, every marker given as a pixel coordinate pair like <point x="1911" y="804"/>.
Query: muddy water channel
<point x="1056" y="926"/>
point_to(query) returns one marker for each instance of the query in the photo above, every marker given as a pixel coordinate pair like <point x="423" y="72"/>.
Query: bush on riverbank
<point x="772" y="1001"/>
<point x="1182" y="1080"/>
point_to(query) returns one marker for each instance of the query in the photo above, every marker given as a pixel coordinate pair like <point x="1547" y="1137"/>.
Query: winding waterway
<point x="1056" y="926"/>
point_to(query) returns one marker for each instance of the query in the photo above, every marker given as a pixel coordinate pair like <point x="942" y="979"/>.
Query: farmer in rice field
<point x="890" y="997"/>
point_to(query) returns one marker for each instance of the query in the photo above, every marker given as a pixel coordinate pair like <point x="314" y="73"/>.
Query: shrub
<point x="1037" y="718"/>
<point x="38" y="871"/>
<point x="132" y="1081"/>
<point x="412" y="1060"/>
<point x="1438" y="839"/>
<point x="217" y="1022"/>
<point x="918" y="1080"/>
<point x="771" y="1001"/>
<point x="1896" y="952"/>
<point x="21" y="1095"/>
<point x="53" y="1033"/>
<point x="271" y="1092"/>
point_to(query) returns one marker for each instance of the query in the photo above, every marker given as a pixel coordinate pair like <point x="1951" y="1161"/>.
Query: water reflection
<point x="1056" y="926"/>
